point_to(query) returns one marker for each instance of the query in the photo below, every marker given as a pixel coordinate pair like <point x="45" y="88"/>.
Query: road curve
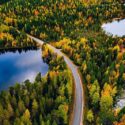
<point x="79" y="100"/>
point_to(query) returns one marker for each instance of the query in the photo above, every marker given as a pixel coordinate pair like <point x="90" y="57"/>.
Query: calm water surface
<point x="121" y="100"/>
<point x="115" y="28"/>
<point x="18" y="67"/>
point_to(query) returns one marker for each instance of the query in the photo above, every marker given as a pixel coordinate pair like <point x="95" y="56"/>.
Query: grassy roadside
<point x="72" y="106"/>
<point x="85" y="98"/>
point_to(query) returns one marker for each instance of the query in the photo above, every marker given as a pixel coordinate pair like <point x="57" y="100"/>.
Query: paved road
<point x="79" y="102"/>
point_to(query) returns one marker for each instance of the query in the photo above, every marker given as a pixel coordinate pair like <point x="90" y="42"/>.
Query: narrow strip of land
<point x="79" y="100"/>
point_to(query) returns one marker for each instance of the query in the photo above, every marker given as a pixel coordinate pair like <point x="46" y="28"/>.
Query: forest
<point x="52" y="20"/>
<point x="11" y="38"/>
<point x="74" y="26"/>
<point x="3" y="1"/>
<point x="103" y="71"/>
<point x="46" y="101"/>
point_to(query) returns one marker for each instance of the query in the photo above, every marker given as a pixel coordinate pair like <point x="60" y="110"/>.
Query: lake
<point x="115" y="28"/>
<point x="17" y="67"/>
<point x="121" y="100"/>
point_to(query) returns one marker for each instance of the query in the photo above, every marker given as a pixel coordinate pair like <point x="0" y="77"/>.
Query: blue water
<point x="18" y="67"/>
<point x="115" y="28"/>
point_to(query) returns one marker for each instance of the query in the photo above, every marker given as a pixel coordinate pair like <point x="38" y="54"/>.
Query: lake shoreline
<point x="19" y="65"/>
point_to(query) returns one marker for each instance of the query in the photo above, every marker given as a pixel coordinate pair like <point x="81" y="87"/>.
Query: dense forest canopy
<point x="3" y="1"/>
<point x="52" y="20"/>
<point x="75" y="27"/>
<point x="12" y="38"/>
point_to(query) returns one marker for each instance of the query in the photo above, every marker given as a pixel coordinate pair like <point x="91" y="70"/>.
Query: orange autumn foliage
<point x="122" y="121"/>
<point x="36" y="12"/>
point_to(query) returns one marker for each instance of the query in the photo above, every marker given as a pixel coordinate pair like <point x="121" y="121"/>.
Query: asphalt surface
<point x="79" y="97"/>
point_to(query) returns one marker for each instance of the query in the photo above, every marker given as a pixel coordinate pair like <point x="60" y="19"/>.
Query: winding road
<point x="79" y="97"/>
